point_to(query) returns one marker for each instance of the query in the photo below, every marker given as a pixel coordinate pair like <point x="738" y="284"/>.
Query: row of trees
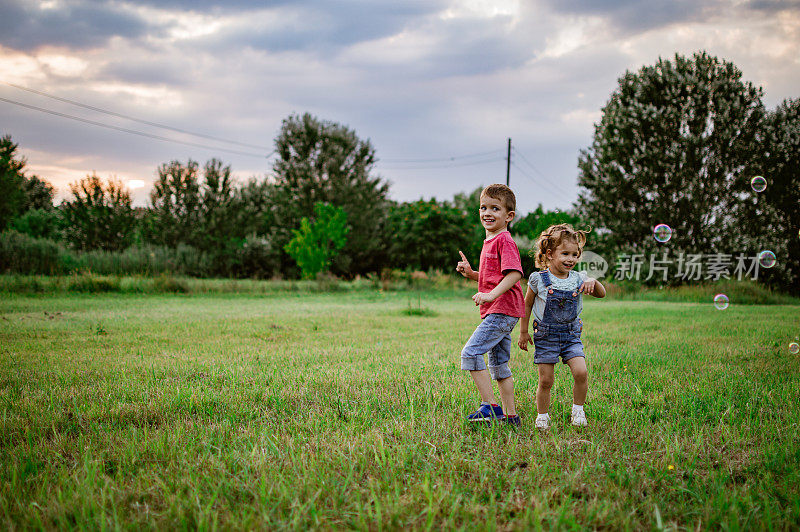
<point x="678" y="143"/>
<point x="320" y="209"/>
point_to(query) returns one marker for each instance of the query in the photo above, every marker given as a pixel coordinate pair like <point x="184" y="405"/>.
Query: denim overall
<point x="558" y="334"/>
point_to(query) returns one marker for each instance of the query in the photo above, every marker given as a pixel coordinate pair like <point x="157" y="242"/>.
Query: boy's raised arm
<point x="465" y="269"/>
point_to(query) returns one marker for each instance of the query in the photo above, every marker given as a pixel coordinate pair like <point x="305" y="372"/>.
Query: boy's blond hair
<point x="552" y="237"/>
<point x="502" y="193"/>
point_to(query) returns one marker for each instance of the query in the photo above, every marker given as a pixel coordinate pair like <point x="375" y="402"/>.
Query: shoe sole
<point x="483" y="419"/>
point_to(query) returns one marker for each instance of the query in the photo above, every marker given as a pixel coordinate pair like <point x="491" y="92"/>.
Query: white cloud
<point x="63" y="65"/>
<point x="420" y="81"/>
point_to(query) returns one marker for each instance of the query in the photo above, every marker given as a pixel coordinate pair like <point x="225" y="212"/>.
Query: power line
<point x="542" y="175"/>
<point x="442" y="159"/>
<point x="134" y="119"/>
<point x="558" y="192"/>
<point x="133" y="131"/>
<point x="445" y="166"/>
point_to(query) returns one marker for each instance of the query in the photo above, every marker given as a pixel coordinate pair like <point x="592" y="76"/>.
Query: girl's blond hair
<point x="552" y="237"/>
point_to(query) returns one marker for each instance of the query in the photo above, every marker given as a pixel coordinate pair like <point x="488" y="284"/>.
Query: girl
<point x="554" y="295"/>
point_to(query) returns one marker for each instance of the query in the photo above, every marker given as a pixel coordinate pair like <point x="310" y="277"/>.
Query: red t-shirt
<point x="498" y="257"/>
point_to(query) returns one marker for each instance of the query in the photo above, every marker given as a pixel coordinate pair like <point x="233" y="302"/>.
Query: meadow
<point x="347" y="410"/>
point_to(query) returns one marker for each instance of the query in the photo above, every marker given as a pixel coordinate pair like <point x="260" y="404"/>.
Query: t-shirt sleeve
<point x="509" y="256"/>
<point x="533" y="282"/>
<point x="583" y="274"/>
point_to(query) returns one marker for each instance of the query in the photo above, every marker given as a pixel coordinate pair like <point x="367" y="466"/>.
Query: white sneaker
<point x="543" y="422"/>
<point x="579" y="418"/>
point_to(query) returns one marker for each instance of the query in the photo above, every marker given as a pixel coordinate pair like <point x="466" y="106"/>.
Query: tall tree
<point x="217" y="218"/>
<point x="673" y="146"/>
<point x="321" y="161"/>
<point x="99" y="215"/>
<point x="773" y="215"/>
<point x="12" y="177"/>
<point x="174" y="216"/>
<point x="38" y="194"/>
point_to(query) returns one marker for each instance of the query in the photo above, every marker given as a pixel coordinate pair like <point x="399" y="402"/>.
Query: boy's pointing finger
<point x="462" y="256"/>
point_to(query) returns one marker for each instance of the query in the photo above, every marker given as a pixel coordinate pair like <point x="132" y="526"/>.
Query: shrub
<point x="89" y="283"/>
<point x="20" y="253"/>
<point x="39" y="223"/>
<point x="168" y="283"/>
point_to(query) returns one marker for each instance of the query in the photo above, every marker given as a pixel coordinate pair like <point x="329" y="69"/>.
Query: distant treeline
<point x="678" y="143"/>
<point x="201" y="223"/>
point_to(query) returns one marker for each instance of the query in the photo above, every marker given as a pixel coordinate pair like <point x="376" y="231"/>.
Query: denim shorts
<point x="492" y="336"/>
<point x="554" y="341"/>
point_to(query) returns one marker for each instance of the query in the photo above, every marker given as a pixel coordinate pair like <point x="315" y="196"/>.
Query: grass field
<point x="297" y="410"/>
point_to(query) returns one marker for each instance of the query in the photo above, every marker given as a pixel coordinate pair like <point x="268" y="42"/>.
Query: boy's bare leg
<point x="581" y="377"/>
<point x="481" y="378"/>
<point x="546" y="378"/>
<point x="506" y="387"/>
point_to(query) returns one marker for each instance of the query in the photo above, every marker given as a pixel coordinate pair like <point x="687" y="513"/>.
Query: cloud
<point x="635" y="16"/>
<point x="322" y="27"/>
<point x="76" y="24"/>
<point x="420" y="79"/>
<point x="774" y="6"/>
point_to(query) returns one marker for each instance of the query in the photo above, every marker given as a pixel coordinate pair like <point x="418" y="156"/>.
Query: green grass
<point x="298" y="410"/>
<point x="743" y="292"/>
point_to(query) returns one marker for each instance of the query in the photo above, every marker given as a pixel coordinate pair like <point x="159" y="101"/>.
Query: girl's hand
<point x="524" y="340"/>
<point x="588" y="286"/>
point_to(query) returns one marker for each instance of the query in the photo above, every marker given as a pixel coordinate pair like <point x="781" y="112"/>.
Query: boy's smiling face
<point x="495" y="217"/>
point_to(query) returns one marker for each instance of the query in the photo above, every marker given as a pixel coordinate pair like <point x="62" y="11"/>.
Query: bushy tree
<point x="38" y="194"/>
<point x="316" y="242"/>
<point x="773" y="216"/>
<point x="674" y="145"/>
<point x="18" y="192"/>
<point x="39" y="223"/>
<point x="321" y="161"/>
<point x="99" y="215"/>
<point x="217" y="219"/>
<point x="12" y="178"/>
<point x="428" y="235"/>
<point x="532" y="224"/>
<point x="174" y="216"/>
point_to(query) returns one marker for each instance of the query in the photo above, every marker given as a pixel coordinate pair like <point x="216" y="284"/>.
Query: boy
<point x="501" y="305"/>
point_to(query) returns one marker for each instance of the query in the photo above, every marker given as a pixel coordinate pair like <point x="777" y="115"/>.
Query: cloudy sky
<point x="436" y="85"/>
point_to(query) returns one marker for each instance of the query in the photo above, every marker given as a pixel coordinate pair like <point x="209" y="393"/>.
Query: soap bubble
<point x="721" y="301"/>
<point x="758" y="183"/>
<point x="766" y="259"/>
<point x="662" y="233"/>
<point x="794" y="348"/>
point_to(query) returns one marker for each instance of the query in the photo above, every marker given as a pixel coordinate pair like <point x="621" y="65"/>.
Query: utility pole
<point x="508" y="164"/>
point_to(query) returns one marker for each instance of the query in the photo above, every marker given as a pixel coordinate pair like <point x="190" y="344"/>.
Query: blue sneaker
<point x="486" y="412"/>
<point x="512" y="420"/>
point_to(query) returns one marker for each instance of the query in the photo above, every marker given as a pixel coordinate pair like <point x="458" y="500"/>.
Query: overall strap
<point x="546" y="278"/>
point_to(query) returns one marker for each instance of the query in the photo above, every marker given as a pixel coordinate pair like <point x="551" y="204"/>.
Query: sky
<point x="437" y="86"/>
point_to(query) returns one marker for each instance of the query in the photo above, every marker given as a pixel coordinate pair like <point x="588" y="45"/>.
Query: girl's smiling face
<point x="564" y="257"/>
